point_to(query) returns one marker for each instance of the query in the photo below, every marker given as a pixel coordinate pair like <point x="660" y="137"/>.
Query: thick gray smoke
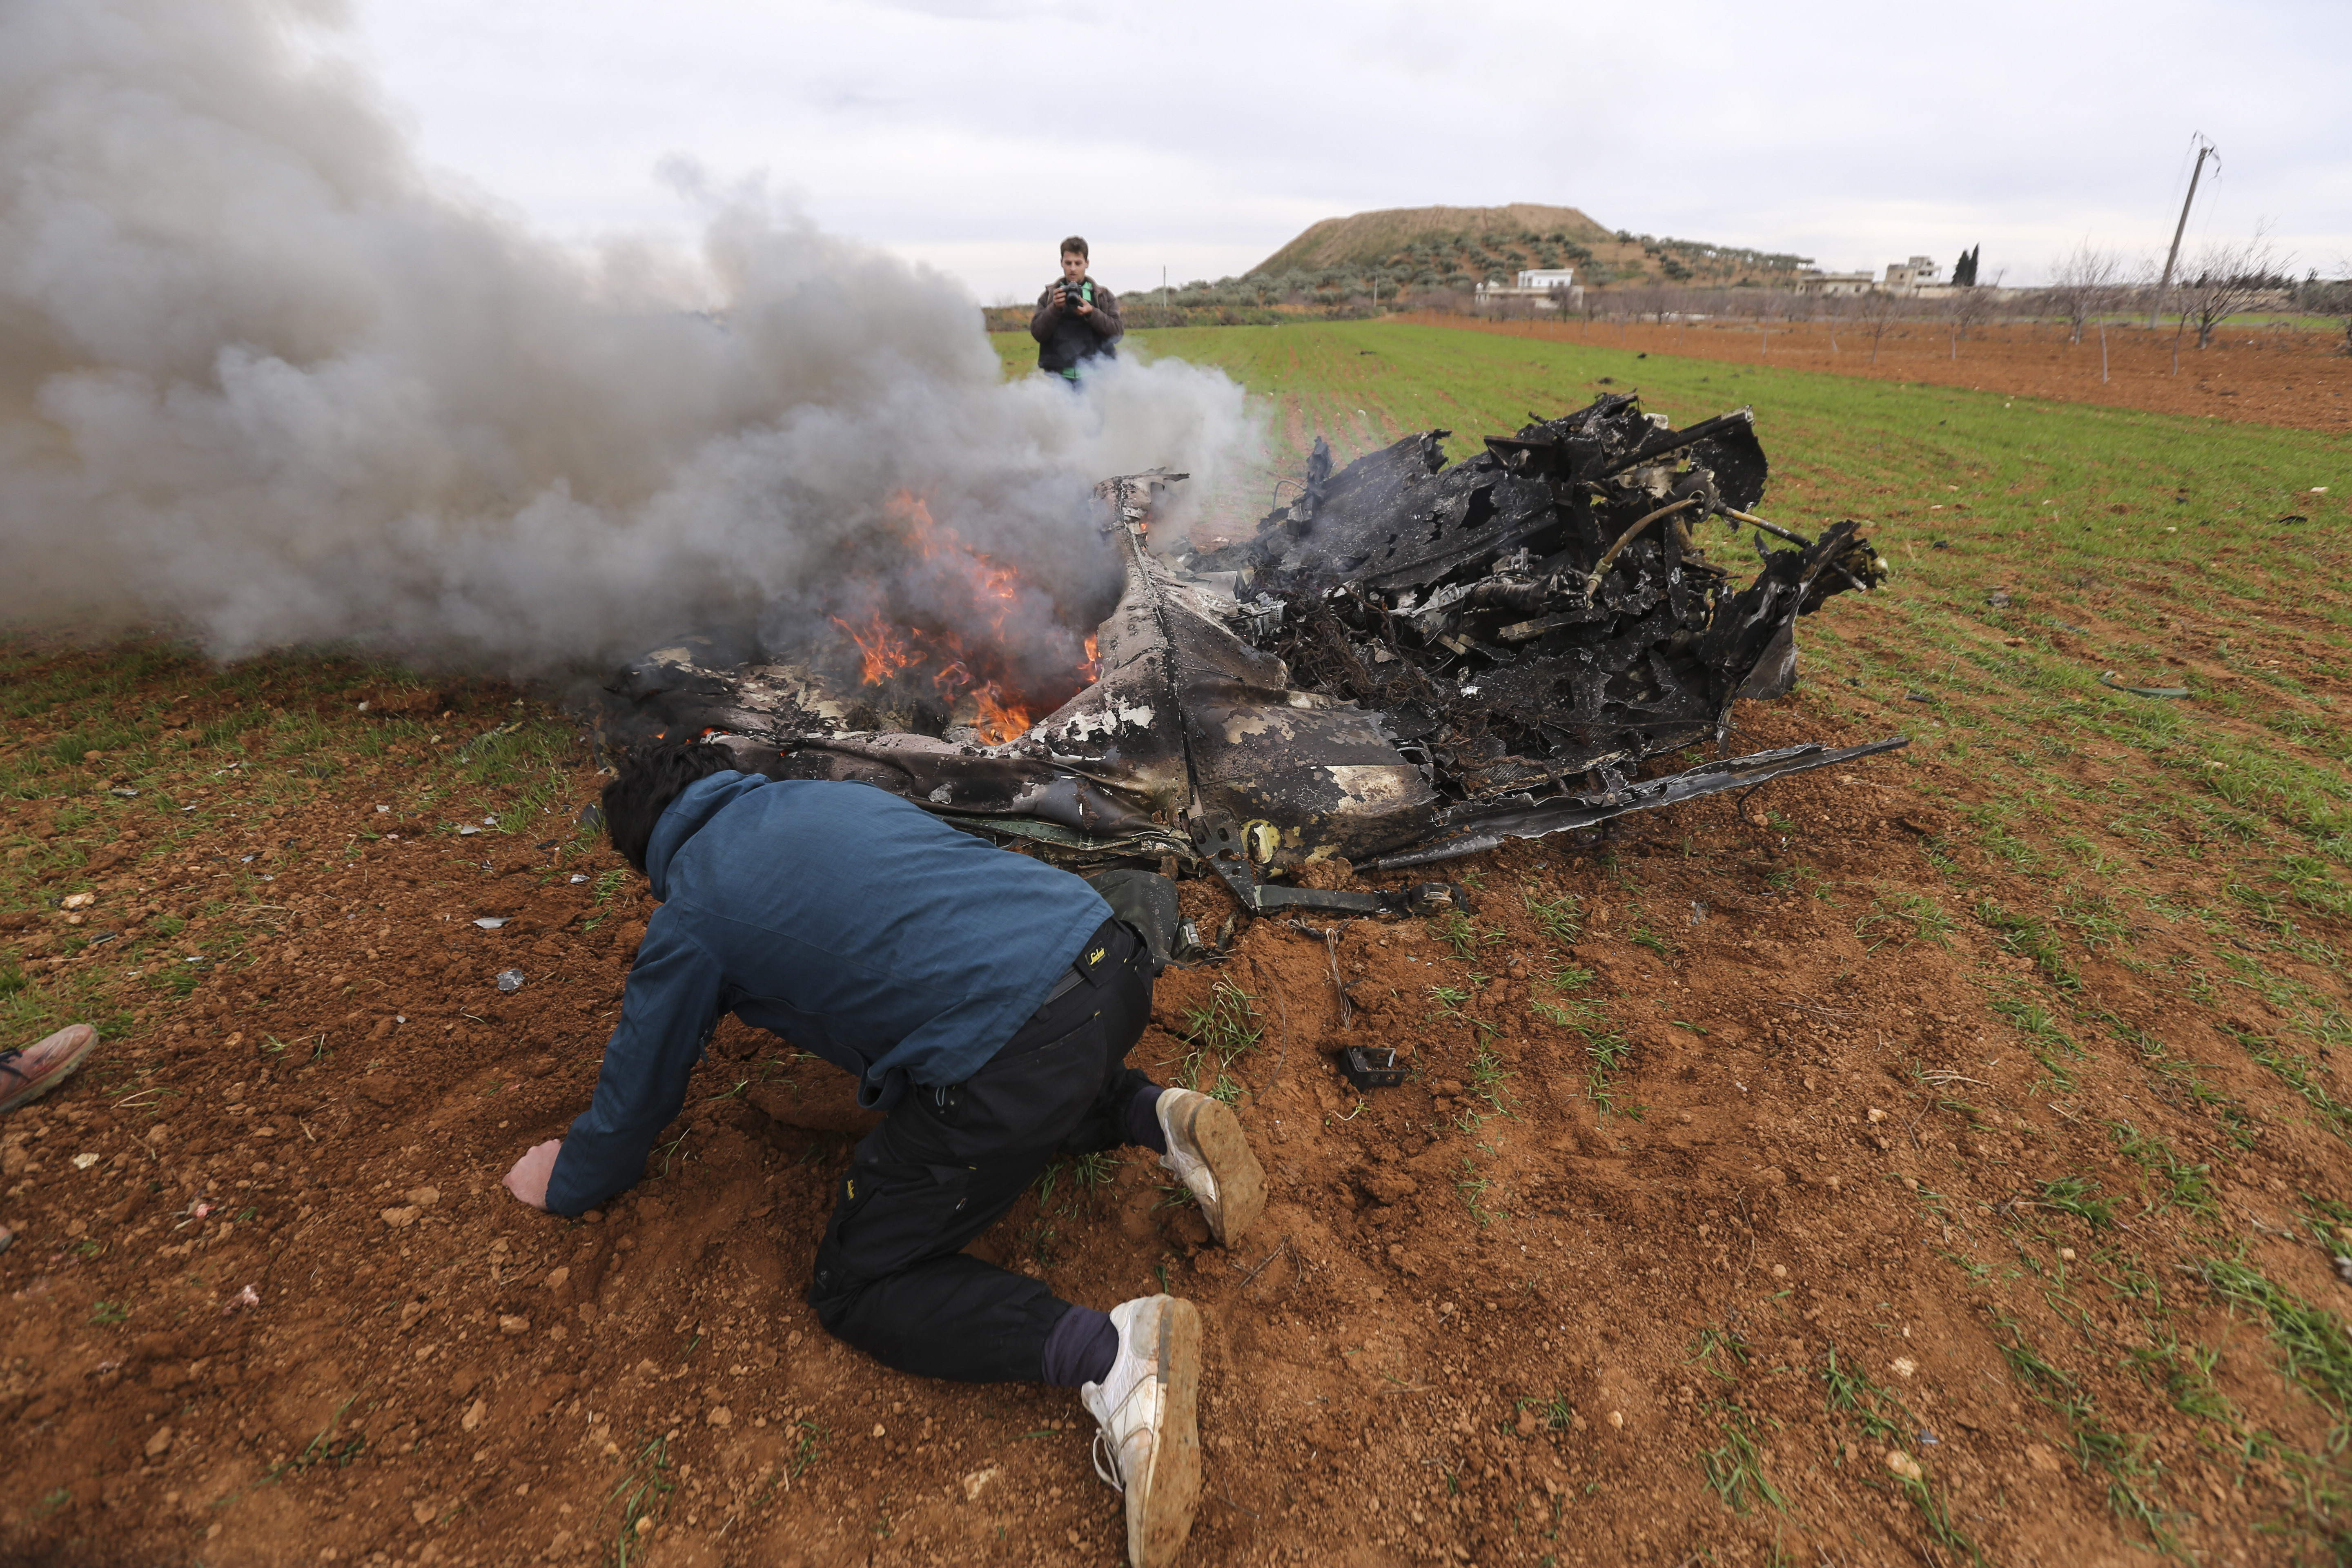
<point x="258" y="377"/>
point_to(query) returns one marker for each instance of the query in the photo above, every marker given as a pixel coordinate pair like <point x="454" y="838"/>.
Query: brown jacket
<point x="1064" y="337"/>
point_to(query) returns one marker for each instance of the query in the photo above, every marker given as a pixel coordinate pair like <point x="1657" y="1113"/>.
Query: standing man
<point x="1076" y="319"/>
<point x="986" y="1003"/>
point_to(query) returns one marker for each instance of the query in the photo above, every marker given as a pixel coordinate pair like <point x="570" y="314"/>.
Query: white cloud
<point x="1201" y="137"/>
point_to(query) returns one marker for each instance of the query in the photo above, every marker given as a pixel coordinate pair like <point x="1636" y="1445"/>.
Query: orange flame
<point x="960" y="677"/>
<point x="1000" y="720"/>
<point x="883" y="653"/>
<point x="1091" y="666"/>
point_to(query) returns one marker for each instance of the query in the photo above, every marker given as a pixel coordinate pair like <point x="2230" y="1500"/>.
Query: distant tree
<point x="1968" y="308"/>
<point x="1835" y="308"/>
<point x="2223" y="279"/>
<point x="1964" y="270"/>
<point x="2084" y="280"/>
<point x="1877" y="311"/>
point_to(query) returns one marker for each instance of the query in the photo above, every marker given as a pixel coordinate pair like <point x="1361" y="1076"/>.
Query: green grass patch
<point x="1221" y="1032"/>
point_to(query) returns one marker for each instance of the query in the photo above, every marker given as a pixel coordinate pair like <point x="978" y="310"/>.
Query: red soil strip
<point x="2272" y="376"/>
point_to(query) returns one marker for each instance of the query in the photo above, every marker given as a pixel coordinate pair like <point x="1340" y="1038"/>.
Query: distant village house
<point x="1910" y="277"/>
<point x="1545" y="287"/>
<point x="1914" y="279"/>
<point x="1835" y="283"/>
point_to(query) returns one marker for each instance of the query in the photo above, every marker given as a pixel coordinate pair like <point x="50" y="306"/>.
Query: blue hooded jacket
<point x="857" y="926"/>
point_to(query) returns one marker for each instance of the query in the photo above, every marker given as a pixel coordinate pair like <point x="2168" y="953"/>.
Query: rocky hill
<point x="1452" y="247"/>
<point x="1369" y="238"/>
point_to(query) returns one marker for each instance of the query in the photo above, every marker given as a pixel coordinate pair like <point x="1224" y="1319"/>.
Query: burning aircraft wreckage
<point x="1408" y="662"/>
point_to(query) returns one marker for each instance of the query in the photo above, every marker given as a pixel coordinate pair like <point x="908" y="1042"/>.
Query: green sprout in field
<point x="1904" y="918"/>
<point x="1473" y="1187"/>
<point x="1220" y="1032"/>
<point x="643" y="1496"/>
<point x="1735" y="1469"/>
<point x="1562" y="918"/>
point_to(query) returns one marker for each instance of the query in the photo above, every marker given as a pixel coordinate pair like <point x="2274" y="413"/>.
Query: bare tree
<point x="2082" y="282"/>
<point x="1835" y="307"/>
<point x="2223" y="279"/>
<point x="1970" y="308"/>
<point x="1877" y="309"/>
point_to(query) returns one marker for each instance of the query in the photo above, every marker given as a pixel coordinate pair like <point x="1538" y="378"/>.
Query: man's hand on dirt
<point x="528" y="1180"/>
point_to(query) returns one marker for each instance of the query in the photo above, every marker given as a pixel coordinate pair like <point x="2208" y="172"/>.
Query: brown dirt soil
<point x="2269" y="376"/>
<point x="1481" y="1321"/>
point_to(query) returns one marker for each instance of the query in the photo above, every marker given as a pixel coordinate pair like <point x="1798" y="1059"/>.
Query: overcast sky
<point x="972" y="134"/>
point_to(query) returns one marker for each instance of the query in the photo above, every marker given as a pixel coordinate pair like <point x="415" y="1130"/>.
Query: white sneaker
<point x="1209" y="1154"/>
<point x="1146" y="1406"/>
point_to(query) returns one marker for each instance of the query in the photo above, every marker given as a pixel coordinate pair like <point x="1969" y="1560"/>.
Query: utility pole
<point x="2204" y="149"/>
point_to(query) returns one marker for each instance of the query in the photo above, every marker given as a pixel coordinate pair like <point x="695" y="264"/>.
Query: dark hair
<point x="1075" y="245"/>
<point x="652" y="778"/>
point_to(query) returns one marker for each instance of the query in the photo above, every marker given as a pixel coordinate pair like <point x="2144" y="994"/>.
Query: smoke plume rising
<point x="259" y="377"/>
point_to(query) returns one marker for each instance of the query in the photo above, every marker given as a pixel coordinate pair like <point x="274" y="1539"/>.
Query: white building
<point x="1834" y="283"/>
<point x="1910" y="277"/>
<point x="1542" y="287"/>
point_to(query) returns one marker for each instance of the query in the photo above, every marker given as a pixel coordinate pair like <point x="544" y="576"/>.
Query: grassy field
<point x="149" y="763"/>
<point x="2147" y="899"/>
<point x="2038" y="547"/>
<point x="2197" y="846"/>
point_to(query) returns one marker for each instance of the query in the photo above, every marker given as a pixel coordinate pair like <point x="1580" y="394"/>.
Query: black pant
<point x="891" y="1277"/>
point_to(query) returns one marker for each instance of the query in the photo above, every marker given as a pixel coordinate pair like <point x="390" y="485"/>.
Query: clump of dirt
<point x="1745" y="1200"/>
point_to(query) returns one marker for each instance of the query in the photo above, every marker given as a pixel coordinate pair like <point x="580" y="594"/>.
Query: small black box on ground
<point x="1369" y="1068"/>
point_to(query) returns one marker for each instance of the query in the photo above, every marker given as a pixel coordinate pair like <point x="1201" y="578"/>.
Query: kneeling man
<point x="986" y="1003"/>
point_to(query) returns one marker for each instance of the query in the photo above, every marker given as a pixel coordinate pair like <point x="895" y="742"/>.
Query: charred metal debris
<point x="1406" y="663"/>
